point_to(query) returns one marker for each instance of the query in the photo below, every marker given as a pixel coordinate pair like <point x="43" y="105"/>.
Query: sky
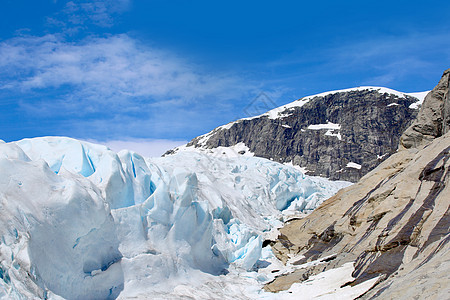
<point x="151" y="75"/>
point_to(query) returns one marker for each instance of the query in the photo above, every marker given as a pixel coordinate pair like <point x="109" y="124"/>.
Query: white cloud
<point x="113" y="73"/>
<point x="79" y="13"/>
<point x="144" y="147"/>
<point x="115" y="87"/>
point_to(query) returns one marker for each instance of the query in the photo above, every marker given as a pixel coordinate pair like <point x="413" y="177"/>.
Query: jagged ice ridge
<point x="80" y="221"/>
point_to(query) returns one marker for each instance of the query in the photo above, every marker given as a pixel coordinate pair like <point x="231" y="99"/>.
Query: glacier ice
<point x="80" y="221"/>
<point x="49" y="225"/>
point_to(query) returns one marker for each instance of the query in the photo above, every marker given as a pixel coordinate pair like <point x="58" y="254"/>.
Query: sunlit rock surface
<point x="393" y="224"/>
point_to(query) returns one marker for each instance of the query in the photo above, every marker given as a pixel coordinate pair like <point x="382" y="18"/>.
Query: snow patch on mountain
<point x="329" y="126"/>
<point x="381" y="90"/>
<point x="419" y="95"/>
<point x="332" y="129"/>
<point x="353" y="165"/>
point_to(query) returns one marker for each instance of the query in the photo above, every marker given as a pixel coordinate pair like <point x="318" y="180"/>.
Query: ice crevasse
<point x="80" y="221"/>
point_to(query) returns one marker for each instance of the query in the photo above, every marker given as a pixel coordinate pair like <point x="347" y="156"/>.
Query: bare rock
<point x="369" y="123"/>
<point x="395" y="220"/>
<point x="433" y="119"/>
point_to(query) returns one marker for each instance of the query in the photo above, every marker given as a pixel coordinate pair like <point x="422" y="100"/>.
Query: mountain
<point x="393" y="225"/>
<point x="78" y="221"/>
<point x="340" y="135"/>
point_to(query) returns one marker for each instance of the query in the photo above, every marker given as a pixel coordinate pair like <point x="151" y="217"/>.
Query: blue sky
<point x="150" y="75"/>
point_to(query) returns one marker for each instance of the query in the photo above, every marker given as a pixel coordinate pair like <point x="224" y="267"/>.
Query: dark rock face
<point x="371" y="123"/>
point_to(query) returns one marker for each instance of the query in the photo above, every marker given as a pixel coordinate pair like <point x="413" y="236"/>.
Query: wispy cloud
<point x="113" y="79"/>
<point x="81" y="13"/>
<point x="111" y="70"/>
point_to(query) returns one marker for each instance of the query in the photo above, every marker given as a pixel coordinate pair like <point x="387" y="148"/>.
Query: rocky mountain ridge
<point x="393" y="224"/>
<point x="340" y="135"/>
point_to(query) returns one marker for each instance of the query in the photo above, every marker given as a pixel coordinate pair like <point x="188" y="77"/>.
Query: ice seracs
<point x="57" y="233"/>
<point x="80" y="221"/>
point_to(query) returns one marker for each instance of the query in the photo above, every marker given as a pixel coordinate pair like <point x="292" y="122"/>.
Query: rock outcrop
<point x="433" y="120"/>
<point x="340" y="135"/>
<point x="394" y="223"/>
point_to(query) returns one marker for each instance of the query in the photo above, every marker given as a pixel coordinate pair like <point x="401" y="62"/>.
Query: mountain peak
<point x="366" y="124"/>
<point x="275" y="113"/>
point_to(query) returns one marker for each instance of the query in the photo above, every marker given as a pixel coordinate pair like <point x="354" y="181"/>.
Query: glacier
<point x="79" y="221"/>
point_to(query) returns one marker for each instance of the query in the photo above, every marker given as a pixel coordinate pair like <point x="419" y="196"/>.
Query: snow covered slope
<point x="280" y="112"/>
<point x="79" y="221"/>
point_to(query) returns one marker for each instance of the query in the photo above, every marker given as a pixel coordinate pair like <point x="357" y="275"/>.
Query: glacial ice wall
<point x="81" y="221"/>
<point x="57" y="233"/>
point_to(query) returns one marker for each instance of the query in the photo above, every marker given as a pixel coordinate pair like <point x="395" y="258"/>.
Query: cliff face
<point x="394" y="223"/>
<point x="340" y="135"/>
<point x="433" y="120"/>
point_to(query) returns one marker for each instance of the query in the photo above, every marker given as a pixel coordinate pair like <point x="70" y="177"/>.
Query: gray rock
<point x="370" y="129"/>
